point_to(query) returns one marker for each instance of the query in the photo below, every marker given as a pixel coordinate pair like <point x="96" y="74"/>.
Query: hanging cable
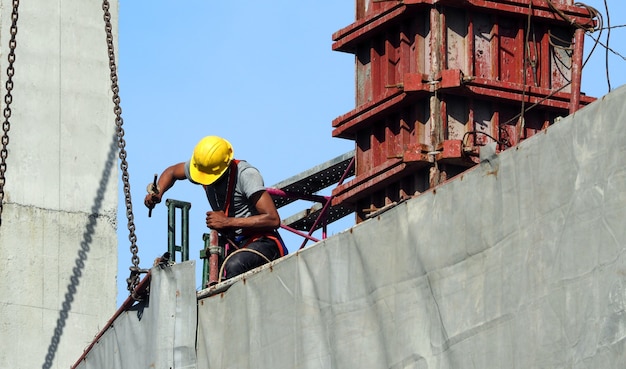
<point x="8" y="98"/>
<point x="552" y="93"/>
<point x="133" y="279"/>
<point x="591" y="26"/>
<point x="221" y="273"/>
<point x="595" y="23"/>
<point x="525" y="66"/>
<point x="618" y="26"/>
<point x="501" y="142"/>
<point x="598" y="26"/>
<point x="560" y="42"/>
<point x="606" y="51"/>
<point x="607" y="47"/>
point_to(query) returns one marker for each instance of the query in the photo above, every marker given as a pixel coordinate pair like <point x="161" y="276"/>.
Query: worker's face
<point x="222" y="178"/>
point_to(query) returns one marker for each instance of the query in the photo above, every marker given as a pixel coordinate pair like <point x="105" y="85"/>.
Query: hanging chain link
<point x="8" y="98"/>
<point x="133" y="280"/>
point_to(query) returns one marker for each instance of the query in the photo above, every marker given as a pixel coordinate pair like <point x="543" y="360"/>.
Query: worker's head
<point x="210" y="159"/>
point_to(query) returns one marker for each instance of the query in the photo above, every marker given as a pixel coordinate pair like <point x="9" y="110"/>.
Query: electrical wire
<point x="607" y="47"/>
<point x="500" y="142"/>
<point x="562" y="42"/>
<point x="236" y="252"/>
<point x="593" y="14"/>
<point x="606" y="50"/>
<point x="613" y="27"/>
<point x="526" y="61"/>
<point x="598" y="26"/>
<point x="595" y="23"/>
<point x="537" y="103"/>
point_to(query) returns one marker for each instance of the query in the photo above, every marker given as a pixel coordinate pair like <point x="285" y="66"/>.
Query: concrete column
<point x="58" y="242"/>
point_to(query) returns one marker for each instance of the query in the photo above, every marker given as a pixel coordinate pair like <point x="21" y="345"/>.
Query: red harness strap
<point x="269" y="235"/>
<point x="229" y="195"/>
<point x="231" y="185"/>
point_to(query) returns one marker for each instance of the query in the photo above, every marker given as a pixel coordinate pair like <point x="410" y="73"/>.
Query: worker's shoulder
<point x="244" y="168"/>
<point x="244" y="164"/>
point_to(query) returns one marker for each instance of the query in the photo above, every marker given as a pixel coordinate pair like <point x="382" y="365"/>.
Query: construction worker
<point x="243" y="211"/>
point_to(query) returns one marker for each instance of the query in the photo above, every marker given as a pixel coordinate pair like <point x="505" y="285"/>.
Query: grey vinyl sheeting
<point x="517" y="263"/>
<point x="155" y="333"/>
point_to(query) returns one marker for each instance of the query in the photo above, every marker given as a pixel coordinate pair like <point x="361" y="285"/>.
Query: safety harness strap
<point x="231" y="185"/>
<point x="271" y="235"/>
<point x="229" y="196"/>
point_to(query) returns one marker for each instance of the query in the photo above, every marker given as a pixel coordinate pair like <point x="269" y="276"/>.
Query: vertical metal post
<point x="215" y="252"/>
<point x="204" y="255"/>
<point x="437" y="45"/>
<point x="212" y="255"/>
<point x="577" y="61"/>
<point x="172" y="205"/>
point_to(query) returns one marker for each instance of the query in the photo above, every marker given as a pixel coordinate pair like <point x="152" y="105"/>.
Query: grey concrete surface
<point x="58" y="239"/>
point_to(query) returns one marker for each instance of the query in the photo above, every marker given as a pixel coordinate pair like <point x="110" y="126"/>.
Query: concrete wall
<point x="58" y="238"/>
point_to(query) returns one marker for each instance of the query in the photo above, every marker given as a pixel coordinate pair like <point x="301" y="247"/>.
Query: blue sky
<point x="262" y="75"/>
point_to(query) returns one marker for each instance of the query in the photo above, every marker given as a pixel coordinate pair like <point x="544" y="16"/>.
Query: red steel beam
<point x="346" y="122"/>
<point x="348" y="37"/>
<point x="377" y="177"/>
<point x="360" y="28"/>
<point x="367" y="183"/>
<point x="513" y="93"/>
<point x="451" y="81"/>
<point x="214" y="259"/>
<point x="577" y="59"/>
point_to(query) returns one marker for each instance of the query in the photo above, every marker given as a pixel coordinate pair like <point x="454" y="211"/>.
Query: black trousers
<point x="243" y="260"/>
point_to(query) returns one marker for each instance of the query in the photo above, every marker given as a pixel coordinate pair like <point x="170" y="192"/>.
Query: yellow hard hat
<point x="210" y="159"/>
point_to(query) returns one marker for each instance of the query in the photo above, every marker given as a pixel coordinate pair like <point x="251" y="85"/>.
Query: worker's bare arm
<point x="266" y="219"/>
<point x="167" y="179"/>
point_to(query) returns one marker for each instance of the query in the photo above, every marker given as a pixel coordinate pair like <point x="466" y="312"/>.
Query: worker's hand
<point x="216" y="220"/>
<point x="151" y="200"/>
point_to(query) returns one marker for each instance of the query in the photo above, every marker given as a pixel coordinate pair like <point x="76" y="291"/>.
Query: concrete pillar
<point x="58" y="243"/>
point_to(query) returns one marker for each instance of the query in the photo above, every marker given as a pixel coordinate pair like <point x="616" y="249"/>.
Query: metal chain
<point x="8" y="98"/>
<point x="133" y="280"/>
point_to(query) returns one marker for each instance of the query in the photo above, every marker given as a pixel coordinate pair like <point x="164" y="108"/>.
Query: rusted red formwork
<point x="437" y="79"/>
